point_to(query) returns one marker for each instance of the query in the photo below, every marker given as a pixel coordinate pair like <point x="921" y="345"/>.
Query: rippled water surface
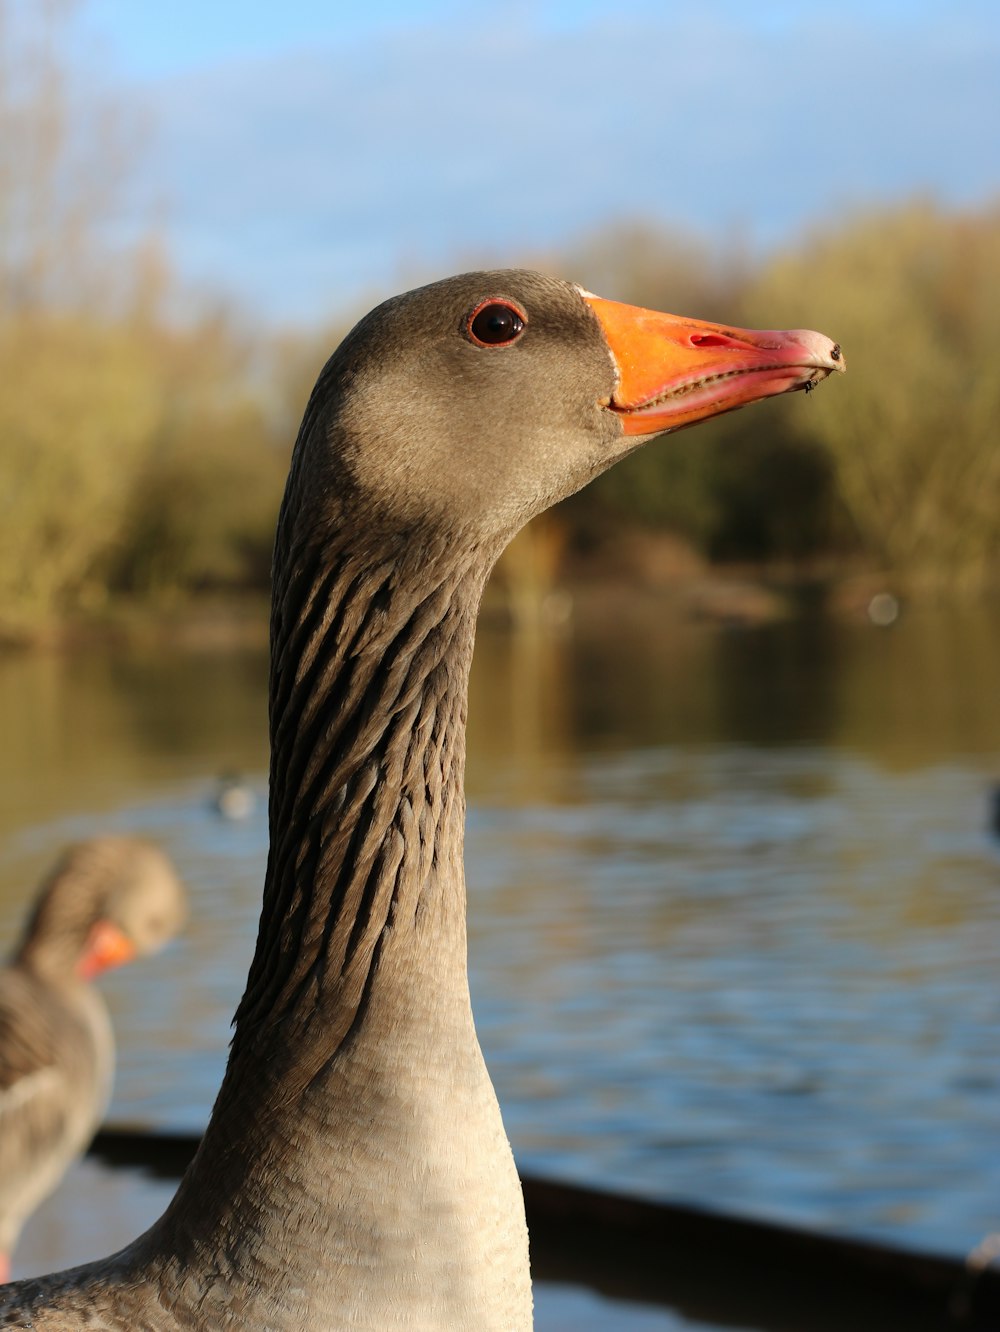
<point x="734" y="909"/>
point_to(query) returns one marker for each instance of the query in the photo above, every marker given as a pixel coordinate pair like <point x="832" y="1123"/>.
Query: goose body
<point x="105" y="901"/>
<point x="355" y="1173"/>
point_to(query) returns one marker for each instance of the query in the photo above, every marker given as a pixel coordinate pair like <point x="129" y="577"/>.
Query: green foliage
<point x="76" y="410"/>
<point x="131" y="459"/>
<point x="205" y="497"/>
<point x="914" y="296"/>
<point x="655" y="268"/>
<point x="203" y="510"/>
<point x="773" y="487"/>
<point x="751" y="486"/>
<point x="900" y="461"/>
<point x="141" y="459"/>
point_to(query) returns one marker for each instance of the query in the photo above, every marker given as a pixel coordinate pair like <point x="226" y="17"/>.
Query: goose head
<point x="471" y="404"/>
<point x="106" y="901"/>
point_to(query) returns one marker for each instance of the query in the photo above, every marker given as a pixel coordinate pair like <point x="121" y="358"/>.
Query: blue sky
<point x="303" y="156"/>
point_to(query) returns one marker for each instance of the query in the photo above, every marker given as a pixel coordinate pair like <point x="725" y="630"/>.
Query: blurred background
<point x="735" y="725"/>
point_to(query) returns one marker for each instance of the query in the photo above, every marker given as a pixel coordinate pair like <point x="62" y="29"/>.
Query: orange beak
<point x="674" y="371"/>
<point x="107" y="946"/>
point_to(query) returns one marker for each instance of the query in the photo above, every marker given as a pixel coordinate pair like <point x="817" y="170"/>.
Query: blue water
<point x="723" y="947"/>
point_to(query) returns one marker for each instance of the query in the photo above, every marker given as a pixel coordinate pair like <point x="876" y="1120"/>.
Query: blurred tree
<point x="134" y="456"/>
<point x="914" y="295"/>
<point x="65" y="152"/>
<point x="78" y="396"/>
<point x="146" y="458"/>
<point x="657" y="267"/>
<point x="205" y="494"/>
<point x="76" y="407"/>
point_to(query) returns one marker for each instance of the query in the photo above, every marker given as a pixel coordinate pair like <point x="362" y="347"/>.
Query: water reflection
<point x="735" y="909"/>
<point x="631" y="673"/>
<point x="87" y="731"/>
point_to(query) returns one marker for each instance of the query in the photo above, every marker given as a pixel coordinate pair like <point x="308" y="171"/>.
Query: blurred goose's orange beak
<point x="107" y="946"/>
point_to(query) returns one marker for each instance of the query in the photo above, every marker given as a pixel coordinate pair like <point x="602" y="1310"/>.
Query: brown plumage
<point x="355" y="1172"/>
<point x="105" y="901"/>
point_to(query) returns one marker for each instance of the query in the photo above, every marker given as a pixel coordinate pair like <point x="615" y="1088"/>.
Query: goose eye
<point x="495" y="323"/>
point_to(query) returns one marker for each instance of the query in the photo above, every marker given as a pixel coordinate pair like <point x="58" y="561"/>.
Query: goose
<point x="104" y="902"/>
<point x="355" y="1172"/>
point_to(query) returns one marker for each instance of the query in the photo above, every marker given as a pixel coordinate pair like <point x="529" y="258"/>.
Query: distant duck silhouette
<point x="106" y="901"/>
<point x="233" y="798"/>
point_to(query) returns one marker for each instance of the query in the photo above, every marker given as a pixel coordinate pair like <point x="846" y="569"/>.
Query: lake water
<point x="734" y="908"/>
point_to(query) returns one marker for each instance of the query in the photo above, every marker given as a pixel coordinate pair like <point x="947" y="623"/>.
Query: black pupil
<point x="497" y="323"/>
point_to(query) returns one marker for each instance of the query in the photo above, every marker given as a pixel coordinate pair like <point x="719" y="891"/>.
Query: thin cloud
<point x="300" y="179"/>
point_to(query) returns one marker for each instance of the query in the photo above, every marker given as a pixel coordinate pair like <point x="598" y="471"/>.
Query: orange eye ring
<point x="495" y="322"/>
